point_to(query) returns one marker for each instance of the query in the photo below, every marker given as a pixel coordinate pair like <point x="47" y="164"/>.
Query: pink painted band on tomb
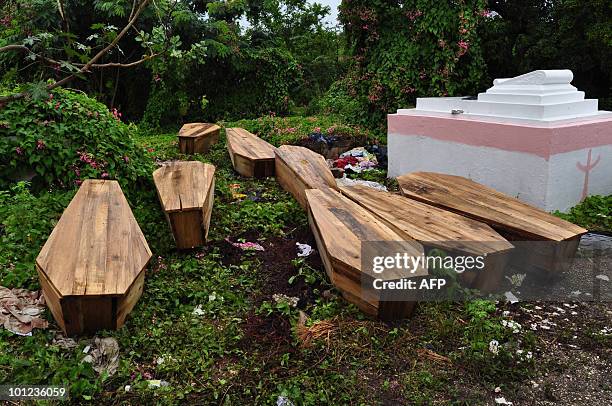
<point x="538" y="138"/>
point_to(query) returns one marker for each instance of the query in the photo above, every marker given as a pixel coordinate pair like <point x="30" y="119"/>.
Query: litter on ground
<point x="20" y="310"/>
<point x="304" y="250"/>
<point x="344" y="181"/>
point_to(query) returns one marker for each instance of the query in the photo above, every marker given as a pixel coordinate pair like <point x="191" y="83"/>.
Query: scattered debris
<point x="284" y="401"/>
<point x="61" y="341"/>
<point x="234" y="188"/>
<point x="494" y="347"/>
<point x="603" y="278"/>
<point x="304" y="250"/>
<point x="513" y="325"/>
<point x="157" y="383"/>
<point x="350" y="182"/>
<point x="433" y="356"/>
<point x="281" y="298"/>
<point x="246" y="246"/>
<point x="320" y="329"/>
<point x="511" y="297"/>
<point x="356" y="160"/>
<point x="20" y="310"/>
<point x="104" y="356"/>
<point x="198" y="311"/>
<point x="502" y="401"/>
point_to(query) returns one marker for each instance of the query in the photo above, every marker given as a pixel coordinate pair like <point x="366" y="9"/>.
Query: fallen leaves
<point x="20" y="310"/>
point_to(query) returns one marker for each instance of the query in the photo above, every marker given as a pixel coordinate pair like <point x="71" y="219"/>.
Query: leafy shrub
<point x="61" y="139"/>
<point x="25" y="223"/>
<point x="291" y="130"/>
<point x="401" y="50"/>
<point x="242" y="84"/>
<point x="594" y="213"/>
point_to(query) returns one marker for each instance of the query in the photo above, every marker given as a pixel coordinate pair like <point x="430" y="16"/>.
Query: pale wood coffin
<point x="513" y="219"/>
<point x="186" y="192"/>
<point x="298" y="169"/>
<point x="91" y="268"/>
<point x="251" y="156"/>
<point x="340" y="226"/>
<point x="197" y="138"/>
<point x="441" y="229"/>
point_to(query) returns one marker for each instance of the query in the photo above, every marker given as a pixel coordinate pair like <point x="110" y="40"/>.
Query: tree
<point x="66" y="52"/>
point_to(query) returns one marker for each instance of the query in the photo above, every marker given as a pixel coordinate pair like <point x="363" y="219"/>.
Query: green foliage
<point x="25" y="223"/>
<point x="526" y="35"/>
<point x="404" y="50"/>
<point x="65" y="137"/>
<point x="292" y="130"/>
<point x="594" y="213"/>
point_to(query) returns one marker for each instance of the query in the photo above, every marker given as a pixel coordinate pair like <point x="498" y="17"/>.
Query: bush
<point x="296" y="129"/>
<point x="594" y="213"/>
<point x="64" y="138"/>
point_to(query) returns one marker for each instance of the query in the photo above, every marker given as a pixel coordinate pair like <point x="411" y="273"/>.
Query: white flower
<point x="511" y="324"/>
<point x="494" y="347"/>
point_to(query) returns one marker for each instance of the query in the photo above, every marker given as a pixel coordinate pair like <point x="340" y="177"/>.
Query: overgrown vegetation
<point x="594" y="213"/>
<point x="243" y="345"/>
<point x="65" y="137"/>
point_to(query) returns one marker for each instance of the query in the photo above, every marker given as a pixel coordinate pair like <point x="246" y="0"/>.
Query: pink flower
<point x="317" y="130"/>
<point x="104" y="175"/>
<point x="19" y="151"/>
<point x="116" y="114"/>
<point x="78" y="182"/>
<point x="463" y="45"/>
<point x="126" y="159"/>
<point x="40" y="144"/>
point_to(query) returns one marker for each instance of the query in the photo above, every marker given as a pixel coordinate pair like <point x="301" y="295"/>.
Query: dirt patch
<point x="277" y="266"/>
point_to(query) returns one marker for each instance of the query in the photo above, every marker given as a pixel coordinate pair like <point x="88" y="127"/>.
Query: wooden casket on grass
<point x="439" y="229"/>
<point x="251" y="156"/>
<point x="298" y="169"/>
<point x="92" y="267"/>
<point x="340" y="226"/>
<point x="516" y="221"/>
<point x="186" y="192"/>
<point x="197" y="138"/>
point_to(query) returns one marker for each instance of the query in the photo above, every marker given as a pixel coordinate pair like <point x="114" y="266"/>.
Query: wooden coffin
<point x="298" y="169"/>
<point x="513" y="219"/>
<point x="186" y="192"/>
<point x="251" y="156"/>
<point x="340" y="226"/>
<point x="441" y="229"/>
<point x="91" y="268"/>
<point x="197" y="138"/>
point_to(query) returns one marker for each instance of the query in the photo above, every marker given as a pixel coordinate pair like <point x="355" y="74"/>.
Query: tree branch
<point x="92" y="62"/>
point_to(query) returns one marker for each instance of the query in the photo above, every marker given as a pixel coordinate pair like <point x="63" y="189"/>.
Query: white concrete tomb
<point x="534" y="137"/>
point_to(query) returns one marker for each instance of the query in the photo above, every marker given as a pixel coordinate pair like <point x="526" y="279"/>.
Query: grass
<point x="245" y="348"/>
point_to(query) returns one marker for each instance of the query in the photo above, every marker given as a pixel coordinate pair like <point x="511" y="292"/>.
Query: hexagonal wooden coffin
<point x="186" y="192"/>
<point x="513" y="219"/>
<point x="91" y="268"/>
<point x="441" y="229"/>
<point x="197" y="138"/>
<point x="298" y="169"/>
<point x="340" y="226"/>
<point x="251" y="156"/>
